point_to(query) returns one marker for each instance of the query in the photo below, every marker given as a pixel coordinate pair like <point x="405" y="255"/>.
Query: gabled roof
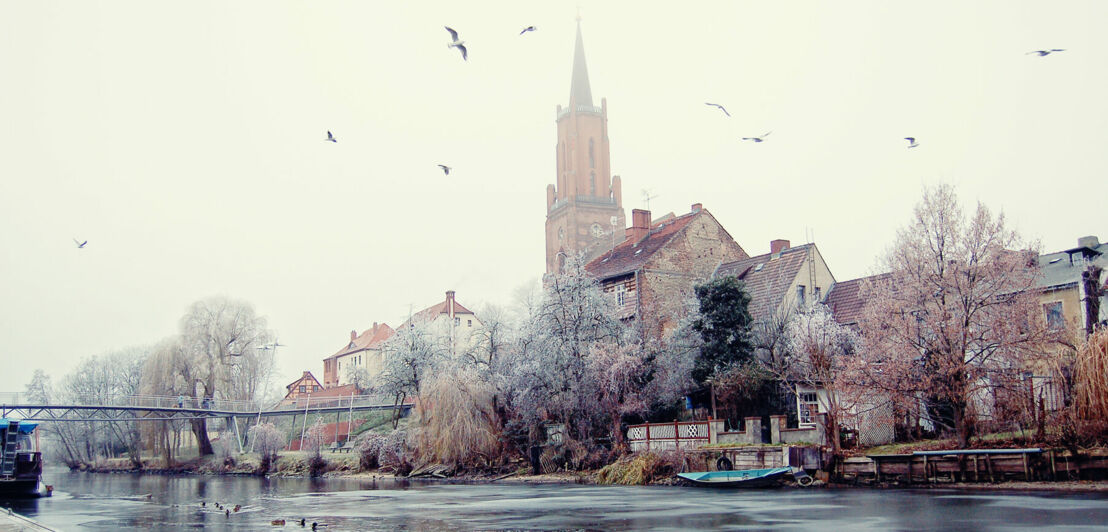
<point x="369" y="339"/>
<point x="629" y="256"/>
<point x="429" y="314"/>
<point x="767" y="278"/>
<point x="306" y="375"/>
<point x="845" y="299"/>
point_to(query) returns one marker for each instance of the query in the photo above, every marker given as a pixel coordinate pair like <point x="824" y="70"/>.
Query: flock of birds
<point x="457" y="43"/>
<point x="276" y="522"/>
<point x="911" y="140"/>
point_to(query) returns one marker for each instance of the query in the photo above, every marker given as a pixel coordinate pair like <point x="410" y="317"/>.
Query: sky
<point x="185" y="142"/>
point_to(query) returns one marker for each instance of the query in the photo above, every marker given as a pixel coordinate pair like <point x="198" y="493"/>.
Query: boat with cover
<point x="20" y="460"/>
<point x="746" y="478"/>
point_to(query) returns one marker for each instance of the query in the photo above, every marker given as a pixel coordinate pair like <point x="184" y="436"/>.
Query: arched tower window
<point x="592" y="183"/>
<point x="592" y="154"/>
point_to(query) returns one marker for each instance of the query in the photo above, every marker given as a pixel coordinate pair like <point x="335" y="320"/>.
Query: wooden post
<point x="676" y="436"/>
<point x="976" y="471"/>
<point x="926" y="469"/>
<point x="1026" y="469"/>
<point x="1053" y="468"/>
<point x="989" y="466"/>
<point x="876" y="469"/>
<point x="910" y="460"/>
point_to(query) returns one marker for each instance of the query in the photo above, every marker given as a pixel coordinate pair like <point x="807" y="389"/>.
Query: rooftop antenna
<point x="646" y="197"/>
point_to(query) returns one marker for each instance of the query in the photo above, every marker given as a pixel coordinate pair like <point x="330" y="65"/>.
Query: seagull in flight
<point x="911" y="142"/>
<point x="445" y="169"/>
<point x="1043" y="53"/>
<point x="758" y="139"/>
<point x="721" y="109"/>
<point x="527" y="29"/>
<point x="460" y="45"/>
<point x="330" y="137"/>
<point x="80" y="245"/>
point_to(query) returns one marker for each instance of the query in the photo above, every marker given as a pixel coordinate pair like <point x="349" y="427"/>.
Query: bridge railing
<point x="221" y="405"/>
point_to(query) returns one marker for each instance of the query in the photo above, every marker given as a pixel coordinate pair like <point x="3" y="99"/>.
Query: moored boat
<point x="746" y="478"/>
<point x="20" y="460"/>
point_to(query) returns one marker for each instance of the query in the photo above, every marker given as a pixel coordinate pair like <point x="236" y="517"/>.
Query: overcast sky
<point x="184" y="141"/>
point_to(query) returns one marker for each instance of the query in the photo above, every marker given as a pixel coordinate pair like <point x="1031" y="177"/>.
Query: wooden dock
<point x="974" y="465"/>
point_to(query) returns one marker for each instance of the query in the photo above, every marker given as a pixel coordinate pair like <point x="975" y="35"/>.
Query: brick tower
<point x="584" y="208"/>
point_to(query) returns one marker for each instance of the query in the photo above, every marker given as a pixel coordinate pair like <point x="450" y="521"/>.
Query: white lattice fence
<point x="657" y="436"/>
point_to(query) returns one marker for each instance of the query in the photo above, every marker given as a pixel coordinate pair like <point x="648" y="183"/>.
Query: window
<point x="800" y="295"/>
<point x="621" y="294"/>
<point x="469" y="323"/>
<point x="1053" y="314"/>
<point x="457" y="321"/>
<point x="592" y="183"/>
<point x="808" y="407"/>
<point x="303" y="388"/>
<point x="815" y="294"/>
<point x="592" y="155"/>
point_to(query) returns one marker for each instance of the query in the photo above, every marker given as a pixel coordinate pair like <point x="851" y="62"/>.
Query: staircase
<point x="7" y="464"/>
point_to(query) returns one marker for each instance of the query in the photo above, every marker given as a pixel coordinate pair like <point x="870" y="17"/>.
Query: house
<point x="1063" y="295"/>
<point x="779" y="283"/>
<point x="362" y="352"/>
<point x="302" y="387"/>
<point x="651" y="274"/>
<point x="451" y="323"/>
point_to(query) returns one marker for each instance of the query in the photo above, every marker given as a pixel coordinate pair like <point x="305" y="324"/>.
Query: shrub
<point x="456" y="421"/>
<point x="394" y="453"/>
<point x="643" y="468"/>
<point x="267" y="441"/>
<point x="368" y="445"/>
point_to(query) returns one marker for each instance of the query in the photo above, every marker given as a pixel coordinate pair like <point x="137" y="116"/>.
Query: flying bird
<point x="911" y="142"/>
<point x="445" y="169"/>
<point x="720" y="107"/>
<point x="80" y="245"/>
<point x="460" y="45"/>
<point x="330" y="137"/>
<point x="527" y="29"/>
<point x="1043" y="53"/>
<point x="758" y="139"/>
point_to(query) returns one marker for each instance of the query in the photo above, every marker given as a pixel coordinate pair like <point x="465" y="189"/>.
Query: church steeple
<point x="584" y="205"/>
<point x="579" y="91"/>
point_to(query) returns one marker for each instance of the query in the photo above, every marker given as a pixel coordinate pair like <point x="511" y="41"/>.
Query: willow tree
<point x="215" y="356"/>
<point x="957" y="315"/>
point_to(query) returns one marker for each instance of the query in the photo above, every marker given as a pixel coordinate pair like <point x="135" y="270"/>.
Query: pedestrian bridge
<point x="161" y="408"/>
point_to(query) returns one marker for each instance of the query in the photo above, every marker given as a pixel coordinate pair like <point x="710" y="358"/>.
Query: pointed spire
<point x="579" y="90"/>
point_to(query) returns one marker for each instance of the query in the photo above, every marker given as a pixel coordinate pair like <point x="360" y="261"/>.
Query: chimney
<point x="353" y="335"/>
<point x="1088" y="242"/>
<point x="450" y="303"/>
<point x="777" y="246"/>
<point x="640" y="224"/>
<point x="374" y="326"/>
<point x="696" y="207"/>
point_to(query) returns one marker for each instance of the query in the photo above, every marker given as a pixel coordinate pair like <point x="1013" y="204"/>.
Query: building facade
<point x="584" y="207"/>
<point x="362" y="352"/>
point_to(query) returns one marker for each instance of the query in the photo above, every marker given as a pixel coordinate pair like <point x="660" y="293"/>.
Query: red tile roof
<point x="430" y="313"/>
<point x="767" y="278"/>
<point x="629" y="256"/>
<point x="845" y="299"/>
<point x="370" y="339"/>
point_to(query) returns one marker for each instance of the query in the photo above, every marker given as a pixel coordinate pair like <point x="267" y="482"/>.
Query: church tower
<point x="584" y="208"/>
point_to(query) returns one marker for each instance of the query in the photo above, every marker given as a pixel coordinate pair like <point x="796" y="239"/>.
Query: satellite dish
<point x="613" y="221"/>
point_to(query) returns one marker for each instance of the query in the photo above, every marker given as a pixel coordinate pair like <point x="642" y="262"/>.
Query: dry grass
<point x="1091" y="377"/>
<point x="641" y="469"/>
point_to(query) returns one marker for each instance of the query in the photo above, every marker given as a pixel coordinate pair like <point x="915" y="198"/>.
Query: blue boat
<point x="746" y="478"/>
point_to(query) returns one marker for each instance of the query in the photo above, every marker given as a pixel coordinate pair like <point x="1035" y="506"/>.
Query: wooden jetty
<point x="974" y="465"/>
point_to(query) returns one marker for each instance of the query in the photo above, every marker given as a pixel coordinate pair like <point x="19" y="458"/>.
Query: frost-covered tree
<point x="817" y="348"/>
<point x="408" y="357"/>
<point x="621" y="373"/>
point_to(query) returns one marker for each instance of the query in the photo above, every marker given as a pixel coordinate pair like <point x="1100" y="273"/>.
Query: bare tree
<point x="957" y="314"/>
<point x="408" y="356"/>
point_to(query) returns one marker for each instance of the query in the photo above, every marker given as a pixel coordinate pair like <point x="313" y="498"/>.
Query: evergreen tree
<point x="724" y="325"/>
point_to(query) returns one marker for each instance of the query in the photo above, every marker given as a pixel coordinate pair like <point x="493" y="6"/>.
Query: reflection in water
<point x="98" y="501"/>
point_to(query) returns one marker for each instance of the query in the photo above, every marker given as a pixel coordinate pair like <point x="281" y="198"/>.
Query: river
<point x="86" y="501"/>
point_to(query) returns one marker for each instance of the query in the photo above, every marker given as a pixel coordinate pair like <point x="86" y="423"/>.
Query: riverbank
<point x="13" y="522"/>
